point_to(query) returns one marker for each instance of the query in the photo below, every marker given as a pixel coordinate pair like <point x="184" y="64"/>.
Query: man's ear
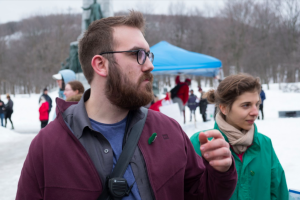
<point x="100" y="65"/>
<point x="223" y="109"/>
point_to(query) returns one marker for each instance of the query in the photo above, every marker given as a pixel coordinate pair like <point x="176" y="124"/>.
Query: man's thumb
<point x="202" y="138"/>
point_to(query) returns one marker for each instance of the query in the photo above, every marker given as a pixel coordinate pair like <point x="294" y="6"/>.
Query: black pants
<point x="261" y="108"/>
<point x="8" y="116"/>
<point x="44" y="123"/>
<point x="204" y="117"/>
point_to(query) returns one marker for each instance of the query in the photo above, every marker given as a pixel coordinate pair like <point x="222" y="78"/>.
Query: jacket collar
<point x="252" y="150"/>
<point x="77" y="118"/>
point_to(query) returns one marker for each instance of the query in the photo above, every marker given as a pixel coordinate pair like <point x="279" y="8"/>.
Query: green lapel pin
<point x="152" y="138"/>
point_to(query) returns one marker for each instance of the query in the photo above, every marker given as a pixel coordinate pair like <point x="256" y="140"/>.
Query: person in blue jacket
<point x="62" y="78"/>
<point x="261" y="106"/>
<point x="192" y="104"/>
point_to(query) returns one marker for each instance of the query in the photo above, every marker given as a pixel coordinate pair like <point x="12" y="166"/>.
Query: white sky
<point x="15" y="10"/>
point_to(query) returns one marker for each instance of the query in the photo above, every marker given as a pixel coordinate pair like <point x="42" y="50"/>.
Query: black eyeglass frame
<point x="137" y="54"/>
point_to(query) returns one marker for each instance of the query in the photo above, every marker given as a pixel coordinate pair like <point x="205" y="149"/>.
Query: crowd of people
<point x="181" y="95"/>
<point x="108" y="146"/>
<point x="6" y="111"/>
<point x="69" y="90"/>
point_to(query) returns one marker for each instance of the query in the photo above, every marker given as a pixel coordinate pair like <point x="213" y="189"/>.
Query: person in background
<point x="182" y="95"/>
<point x="192" y="104"/>
<point x="261" y="106"/>
<point x="47" y="97"/>
<point x="162" y="102"/>
<point x="2" y="114"/>
<point x="62" y="78"/>
<point x="9" y="110"/>
<point x="74" y="91"/>
<point x="44" y="111"/>
<point x="203" y="104"/>
<point x="260" y="174"/>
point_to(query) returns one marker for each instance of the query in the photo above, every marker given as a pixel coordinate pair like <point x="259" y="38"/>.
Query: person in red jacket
<point x="44" y="109"/>
<point x="182" y="94"/>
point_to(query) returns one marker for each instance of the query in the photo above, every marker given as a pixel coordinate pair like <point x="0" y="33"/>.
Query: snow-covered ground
<point x="284" y="132"/>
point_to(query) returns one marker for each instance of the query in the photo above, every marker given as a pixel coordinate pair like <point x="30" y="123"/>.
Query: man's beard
<point x="125" y="94"/>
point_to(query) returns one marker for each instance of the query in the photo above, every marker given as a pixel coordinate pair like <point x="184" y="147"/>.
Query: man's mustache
<point x="147" y="76"/>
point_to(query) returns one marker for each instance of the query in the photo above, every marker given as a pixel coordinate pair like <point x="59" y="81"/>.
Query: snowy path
<point x="13" y="150"/>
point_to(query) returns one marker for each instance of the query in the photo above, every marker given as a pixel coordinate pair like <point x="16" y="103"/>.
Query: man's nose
<point x="147" y="66"/>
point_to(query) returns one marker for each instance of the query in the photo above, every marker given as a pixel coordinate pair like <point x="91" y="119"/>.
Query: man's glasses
<point x="141" y="55"/>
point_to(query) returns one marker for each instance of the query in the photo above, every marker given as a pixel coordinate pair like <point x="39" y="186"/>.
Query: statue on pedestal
<point x="96" y="13"/>
<point x="72" y="62"/>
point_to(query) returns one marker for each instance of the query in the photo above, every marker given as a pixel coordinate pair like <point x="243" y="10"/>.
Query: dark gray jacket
<point x="9" y="106"/>
<point x="2" y="107"/>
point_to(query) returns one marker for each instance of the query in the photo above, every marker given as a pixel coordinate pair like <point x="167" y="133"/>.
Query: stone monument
<point x="92" y="10"/>
<point x="72" y="62"/>
<point x="95" y="13"/>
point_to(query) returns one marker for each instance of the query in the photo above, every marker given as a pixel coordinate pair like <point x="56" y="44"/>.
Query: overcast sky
<point x="16" y="10"/>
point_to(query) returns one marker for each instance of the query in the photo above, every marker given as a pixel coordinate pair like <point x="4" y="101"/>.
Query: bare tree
<point x="43" y="44"/>
<point x="290" y="32"/>
<point x="260" y="37"/>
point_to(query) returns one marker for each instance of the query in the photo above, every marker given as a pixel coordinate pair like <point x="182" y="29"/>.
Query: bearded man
<point x="73" y="157"/>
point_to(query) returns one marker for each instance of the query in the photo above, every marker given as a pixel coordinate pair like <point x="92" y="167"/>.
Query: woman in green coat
<point x="260" y="174"/>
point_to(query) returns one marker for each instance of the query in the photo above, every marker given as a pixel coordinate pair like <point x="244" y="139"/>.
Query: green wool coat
<point x="260" y="175"/>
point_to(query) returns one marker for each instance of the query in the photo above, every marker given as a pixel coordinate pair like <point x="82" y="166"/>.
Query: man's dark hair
<point x="99" y="38"/>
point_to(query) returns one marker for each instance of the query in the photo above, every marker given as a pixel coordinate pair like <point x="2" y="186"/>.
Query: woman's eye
<point x="245" y="106"/>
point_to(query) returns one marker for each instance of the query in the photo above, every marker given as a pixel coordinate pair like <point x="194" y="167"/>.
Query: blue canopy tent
<point x="169" y="59"/>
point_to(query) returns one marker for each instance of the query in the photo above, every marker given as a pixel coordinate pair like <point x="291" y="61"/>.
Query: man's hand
<point x="216" y="151"/>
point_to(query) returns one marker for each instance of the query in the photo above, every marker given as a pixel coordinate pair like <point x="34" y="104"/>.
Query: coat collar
<point x="251" y="152"/>
<point x="77" y="119"/>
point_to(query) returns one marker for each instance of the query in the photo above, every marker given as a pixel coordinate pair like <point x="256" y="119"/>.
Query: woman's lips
<point x="250" y="121"/>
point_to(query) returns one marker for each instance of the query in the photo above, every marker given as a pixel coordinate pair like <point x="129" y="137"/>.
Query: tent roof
<point x="169" y="59"/>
